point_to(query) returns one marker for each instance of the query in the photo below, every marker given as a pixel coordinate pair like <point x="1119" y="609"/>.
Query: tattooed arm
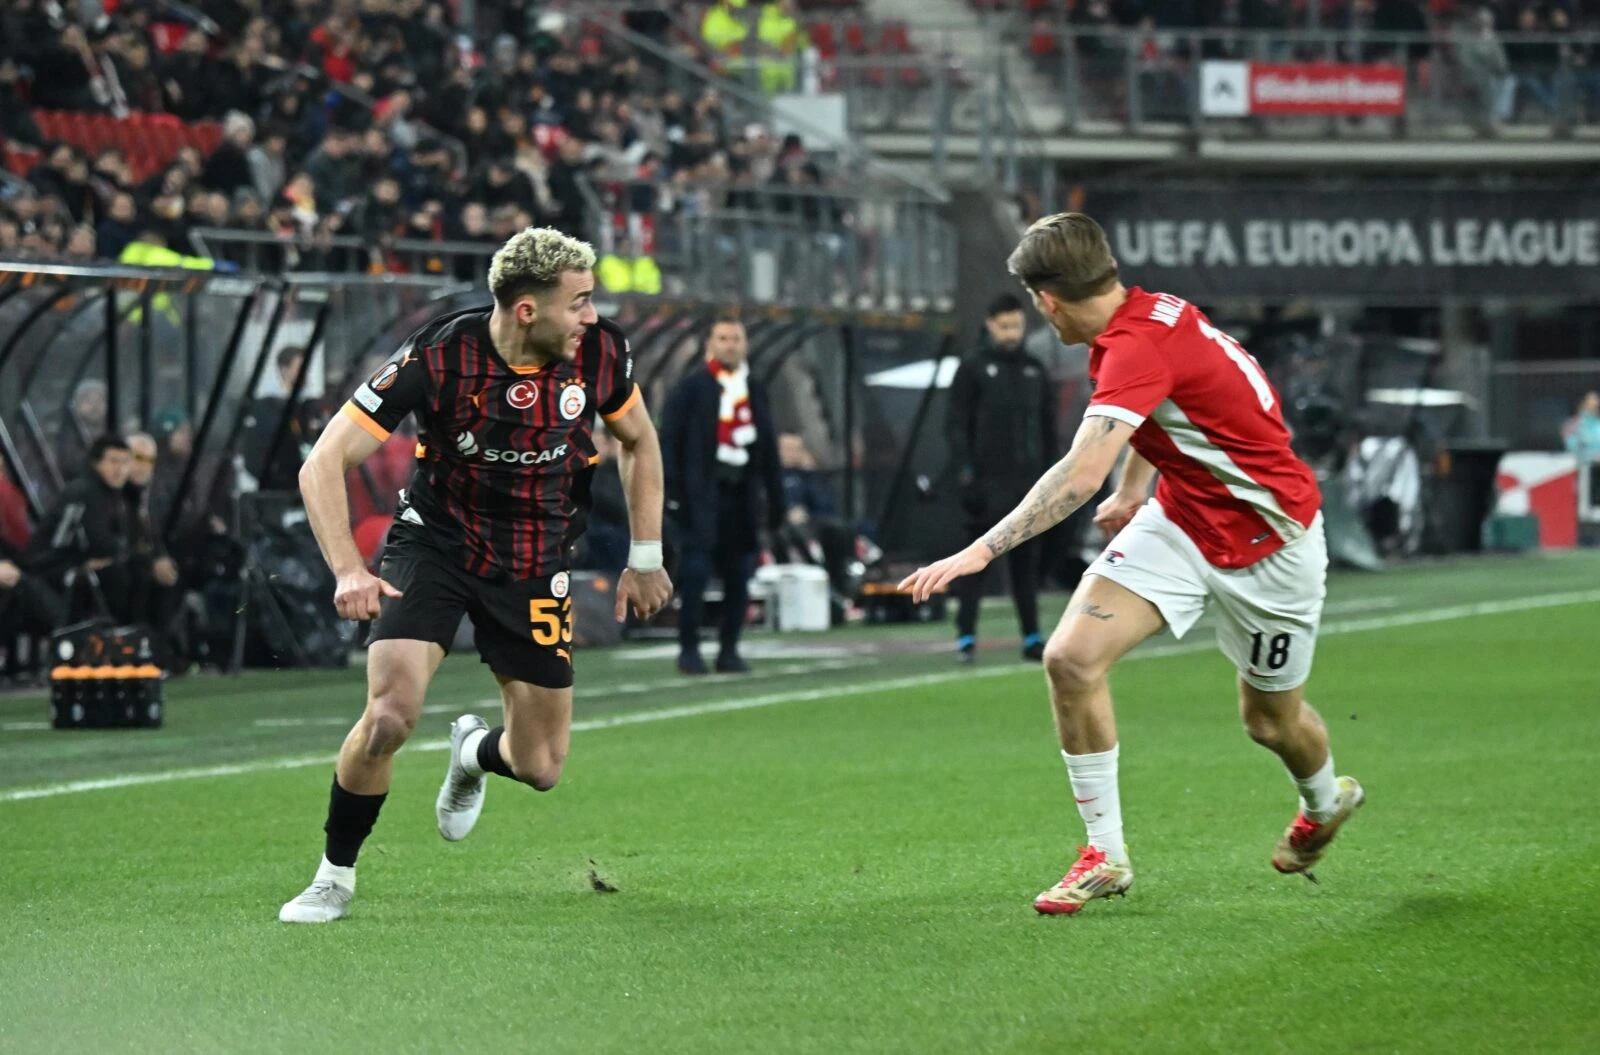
<point x="1067" y="485"/>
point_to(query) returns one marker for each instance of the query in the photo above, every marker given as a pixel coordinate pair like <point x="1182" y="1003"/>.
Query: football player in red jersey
<point x="1235" y="520"/>
<point x="505" y="401"/>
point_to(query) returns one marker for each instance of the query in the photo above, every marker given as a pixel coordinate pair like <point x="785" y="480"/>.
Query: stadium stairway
<point x="969" y="45"/>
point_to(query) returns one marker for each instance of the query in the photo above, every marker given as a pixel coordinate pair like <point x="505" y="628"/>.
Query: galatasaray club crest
<point x="573" y="401"/>
<point x="558" y="585"/>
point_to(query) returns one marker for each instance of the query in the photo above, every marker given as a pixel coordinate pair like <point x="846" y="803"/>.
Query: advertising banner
<point x="1404" y="244"/>
<point x="1262" y="89"/>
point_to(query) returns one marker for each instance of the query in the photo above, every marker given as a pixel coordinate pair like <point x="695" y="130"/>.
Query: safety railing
<point x="773" y="244"/>
<point x="761" y="243"/>
<point x="268" y="253"/>
<point x="1116" y="81"/>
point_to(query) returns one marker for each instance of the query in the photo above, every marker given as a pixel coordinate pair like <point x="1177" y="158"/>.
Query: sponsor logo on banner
<point x="1225" y="89"/>
<point x="1246" y="89"/>
<point x="522" y="395"/>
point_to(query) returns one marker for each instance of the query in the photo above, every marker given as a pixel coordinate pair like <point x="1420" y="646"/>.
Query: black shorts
<point x="523" y="628"/>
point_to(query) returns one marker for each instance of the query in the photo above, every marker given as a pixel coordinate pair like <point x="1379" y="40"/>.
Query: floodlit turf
<point x="849" y="871"/>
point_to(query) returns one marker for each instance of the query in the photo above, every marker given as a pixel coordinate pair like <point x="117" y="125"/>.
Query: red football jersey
<point x="1207" y="418"/>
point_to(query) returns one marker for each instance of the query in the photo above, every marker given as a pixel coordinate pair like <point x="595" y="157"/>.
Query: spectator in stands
<point x="10" y="235"/>
<point x="66" y="74"/>
<point x="719" y="447"/>
<point x="80" y="245"/>
<point x="228" y="168"/>
<point x="16" y="119"/>
<point x="1399" y="16"/>
<point x="334" y="170"/>
<point x="1482" y="58"/>
<point x="268" y="159"/>
<point x="1581" y="71"/>
<point x="187" y="76"/>
<point x="1533" y="69"/>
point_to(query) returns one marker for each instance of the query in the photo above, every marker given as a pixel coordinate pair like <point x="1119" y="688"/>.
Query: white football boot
<point x="325" y="900"/>
<point x="461" y="796"/>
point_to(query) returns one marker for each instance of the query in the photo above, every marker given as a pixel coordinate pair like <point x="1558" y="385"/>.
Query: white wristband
<point x="644" y="556"/>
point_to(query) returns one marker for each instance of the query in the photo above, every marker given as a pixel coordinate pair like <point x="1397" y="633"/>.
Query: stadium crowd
<point x="374" y="119"/>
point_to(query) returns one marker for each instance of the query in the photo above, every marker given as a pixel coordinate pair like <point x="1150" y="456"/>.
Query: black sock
<point x="350" y="821"/>
<point x="489" y="759"/>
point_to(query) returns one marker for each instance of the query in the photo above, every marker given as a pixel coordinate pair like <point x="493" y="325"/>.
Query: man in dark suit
<point x="723" y="479"/>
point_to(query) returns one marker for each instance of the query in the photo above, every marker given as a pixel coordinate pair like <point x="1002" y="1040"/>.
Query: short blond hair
<point x="533" y="261"/>
<point x="1066" y="254"/>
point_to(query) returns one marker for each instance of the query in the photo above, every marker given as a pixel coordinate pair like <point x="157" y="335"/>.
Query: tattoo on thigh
<point x="1093" y="611"/>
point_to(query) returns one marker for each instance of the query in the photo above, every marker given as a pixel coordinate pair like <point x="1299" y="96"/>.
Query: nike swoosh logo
<point x="1083" y="802"/>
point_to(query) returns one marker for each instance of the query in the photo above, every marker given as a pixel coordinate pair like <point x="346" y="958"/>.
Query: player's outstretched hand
<point x="648" y="590"/>
<point x="925" y="582"/>
<point x="359" y="593"/>
<point x="1112" y="515"/>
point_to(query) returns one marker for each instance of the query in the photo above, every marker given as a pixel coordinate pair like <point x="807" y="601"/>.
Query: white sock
<point x="469" y="752"/>
<point x="1319" y="793"/>
<point x="340" y="874"/>
<point x="1094" y="787"/>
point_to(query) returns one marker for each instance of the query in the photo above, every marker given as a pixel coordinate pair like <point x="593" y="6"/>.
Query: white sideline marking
<point x="1431" y="615"/>
<point x="24" y="727"/>
<point x="630" y="688"/>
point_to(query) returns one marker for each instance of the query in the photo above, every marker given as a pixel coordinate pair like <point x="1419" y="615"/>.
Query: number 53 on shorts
<point x="551" y="620"/>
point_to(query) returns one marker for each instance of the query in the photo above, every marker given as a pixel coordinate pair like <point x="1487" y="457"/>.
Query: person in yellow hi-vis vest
<point x="646" y="275"/>
<point x="724" y="31"/>
<point x="614" y="274"/>
<point x="617" y="274"/>
<point x="779" y="34"/>
<point x="149" y="249"/>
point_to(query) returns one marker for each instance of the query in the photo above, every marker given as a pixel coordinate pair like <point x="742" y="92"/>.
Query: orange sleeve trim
<point x="622" y="411"/>
<point x="359" y="416"/>
<point x="422" y="450"/>
<point x="595" y="460"/>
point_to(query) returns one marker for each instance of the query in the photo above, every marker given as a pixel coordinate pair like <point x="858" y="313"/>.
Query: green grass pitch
<point x="839" y="856"/>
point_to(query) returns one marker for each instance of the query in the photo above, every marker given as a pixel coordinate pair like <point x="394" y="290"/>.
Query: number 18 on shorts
<point x="1267" y="614"/>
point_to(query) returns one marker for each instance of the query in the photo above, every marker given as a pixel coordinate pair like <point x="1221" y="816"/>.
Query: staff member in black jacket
<point x="1001" y="428"/>
<point x="720" y="449"/>
<point x="89" y="530"/>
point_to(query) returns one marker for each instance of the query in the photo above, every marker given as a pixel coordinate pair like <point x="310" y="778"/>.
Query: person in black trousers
<point x="724" y="482"/>
<point x="1001" y="429"/>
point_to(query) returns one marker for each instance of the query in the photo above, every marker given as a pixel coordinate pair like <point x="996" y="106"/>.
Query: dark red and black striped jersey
<point x="504" y="453"/>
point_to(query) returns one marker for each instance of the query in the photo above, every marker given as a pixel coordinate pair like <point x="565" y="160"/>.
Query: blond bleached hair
<point x="532" y="262"/>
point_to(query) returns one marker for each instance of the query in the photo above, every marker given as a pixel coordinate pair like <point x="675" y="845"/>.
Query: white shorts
<point x="1267" y="614"/>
